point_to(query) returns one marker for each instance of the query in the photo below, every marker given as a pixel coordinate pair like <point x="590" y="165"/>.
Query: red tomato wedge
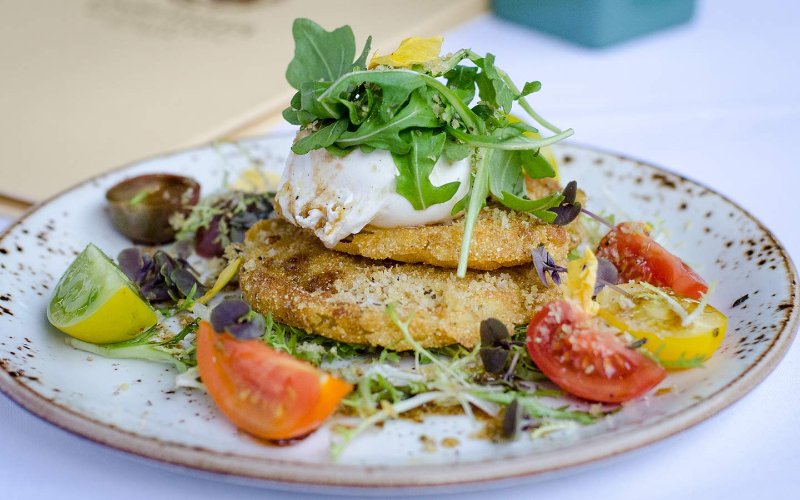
<point x="265" y="392"/>
<point x="638" y="258"/>
<point x="582" y="356"/>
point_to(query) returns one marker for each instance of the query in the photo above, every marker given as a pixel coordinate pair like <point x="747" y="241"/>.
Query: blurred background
<point x="707" y="88"/>
<point x="90" y="85"/>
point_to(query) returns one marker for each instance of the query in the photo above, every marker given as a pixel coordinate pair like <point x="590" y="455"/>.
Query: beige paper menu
<point x="89" y="85"/>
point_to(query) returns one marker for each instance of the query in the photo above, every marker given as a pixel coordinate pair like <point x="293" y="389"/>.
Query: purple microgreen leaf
<point x="248" y="330"/>
<point x="155" y="291"/>
<point x="132" y="264"/>
<point x="570" y="193"/>
<point x="555" y="276"/>
<point x="493" y="331"/>
<point x="607" y="274"/>
<point x="228" y="313"/>
<point x="184" y="281"/>
<point x="569" y="209"/>
<point x="494" y="345"/>
<point x="494" y="359"/>
<point x="566" y="213"/>
<point x="233" y="316"/>
<point x="161" y="278"/>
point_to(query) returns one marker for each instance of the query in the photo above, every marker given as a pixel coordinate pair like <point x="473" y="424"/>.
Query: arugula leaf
<point x="539" y="208"/>
<point x="507" y="186"/>
<point x="309" y="101"/>
<point x="407" y="80"/>
<point x="460" y="206"/>
<point x="535" y="165"/>
<point x="385" y="134"/>
<point x="321" y="138"/>
<point x="455" y="151"/>
<point x="517" y="143"/>
<point x="291" y="115"/>
<point x="361" y="62"/>
<point x="491" y="85"/>
<point x="505" y="174"/>
<point x="395" y="88"/>
<point x="415" y="168"/>
<point x="296" y="116"/>
<point x="319" y="55"/>
<point x="461" y="80"/>
<point x="420" y="114"/>
<point x="531" y="87"/>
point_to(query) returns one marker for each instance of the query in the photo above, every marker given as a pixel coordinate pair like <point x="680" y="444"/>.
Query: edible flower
<point x="414" y="50"/>
<point x="581" y="279"/>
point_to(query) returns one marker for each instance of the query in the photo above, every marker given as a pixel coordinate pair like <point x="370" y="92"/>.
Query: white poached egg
<point x="338" y="196"/>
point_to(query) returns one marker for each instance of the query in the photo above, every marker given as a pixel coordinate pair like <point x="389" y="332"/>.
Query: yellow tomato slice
<point x="95" y="302"/>
<point x="649" y="315"/>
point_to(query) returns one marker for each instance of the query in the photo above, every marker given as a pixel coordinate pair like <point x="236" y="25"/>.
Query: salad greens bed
<point x="496" y="378"/>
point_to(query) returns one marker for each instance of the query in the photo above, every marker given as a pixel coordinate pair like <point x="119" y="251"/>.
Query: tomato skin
<point x="638" y="257"/>
<point x="584" y="358"/>
<point x="265" y="392"/>
<point x="646" y="316"/>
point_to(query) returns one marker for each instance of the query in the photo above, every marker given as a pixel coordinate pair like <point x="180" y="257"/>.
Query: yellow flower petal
<point x="255" y="180"/>
<point x="223" y="279"/>
<point x="581" y="277"/>
<point x="411" y="51"/>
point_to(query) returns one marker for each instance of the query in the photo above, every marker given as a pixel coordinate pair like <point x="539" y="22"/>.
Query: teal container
<point x="596" y="23"/>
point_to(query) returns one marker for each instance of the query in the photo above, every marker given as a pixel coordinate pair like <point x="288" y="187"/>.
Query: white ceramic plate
<point x="132" y="406"/>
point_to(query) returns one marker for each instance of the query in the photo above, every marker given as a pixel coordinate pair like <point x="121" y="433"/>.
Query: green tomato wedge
<point x="95" y="302"/>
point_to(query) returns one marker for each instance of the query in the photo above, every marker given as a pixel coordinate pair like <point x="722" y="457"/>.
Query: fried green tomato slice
<point x="501" y="238"/>
<point x="289" y="273"/>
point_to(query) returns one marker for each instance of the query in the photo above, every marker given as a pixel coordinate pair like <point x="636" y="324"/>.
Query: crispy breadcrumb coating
<point x="289" y="273"/>
<point x="501" y="238"/>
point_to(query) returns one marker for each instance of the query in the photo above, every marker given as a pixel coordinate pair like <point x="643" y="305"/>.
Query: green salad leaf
<point x="415" y="168"/>
<point x="320" y="55"/>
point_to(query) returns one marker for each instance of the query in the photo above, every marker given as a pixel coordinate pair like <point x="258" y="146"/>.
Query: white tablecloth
<point x="717" y="100"/>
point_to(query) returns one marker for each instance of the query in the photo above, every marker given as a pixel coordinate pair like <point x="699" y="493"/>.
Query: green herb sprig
<point x="148" y="346"/>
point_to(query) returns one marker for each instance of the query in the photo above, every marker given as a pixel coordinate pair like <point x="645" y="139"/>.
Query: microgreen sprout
<point x="148" y="346"/>
<point x="317" y="349"/>
<point x="236" y="318"/>
<point x="162" y="278"/>
<point x="494" y="345"/>
<point x="545" y="265"/>
<point x="569" y="209"/>
<point x="385" y="392"/>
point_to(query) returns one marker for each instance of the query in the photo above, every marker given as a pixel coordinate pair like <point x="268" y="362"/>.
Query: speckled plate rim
<point x="350" y="478"/>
